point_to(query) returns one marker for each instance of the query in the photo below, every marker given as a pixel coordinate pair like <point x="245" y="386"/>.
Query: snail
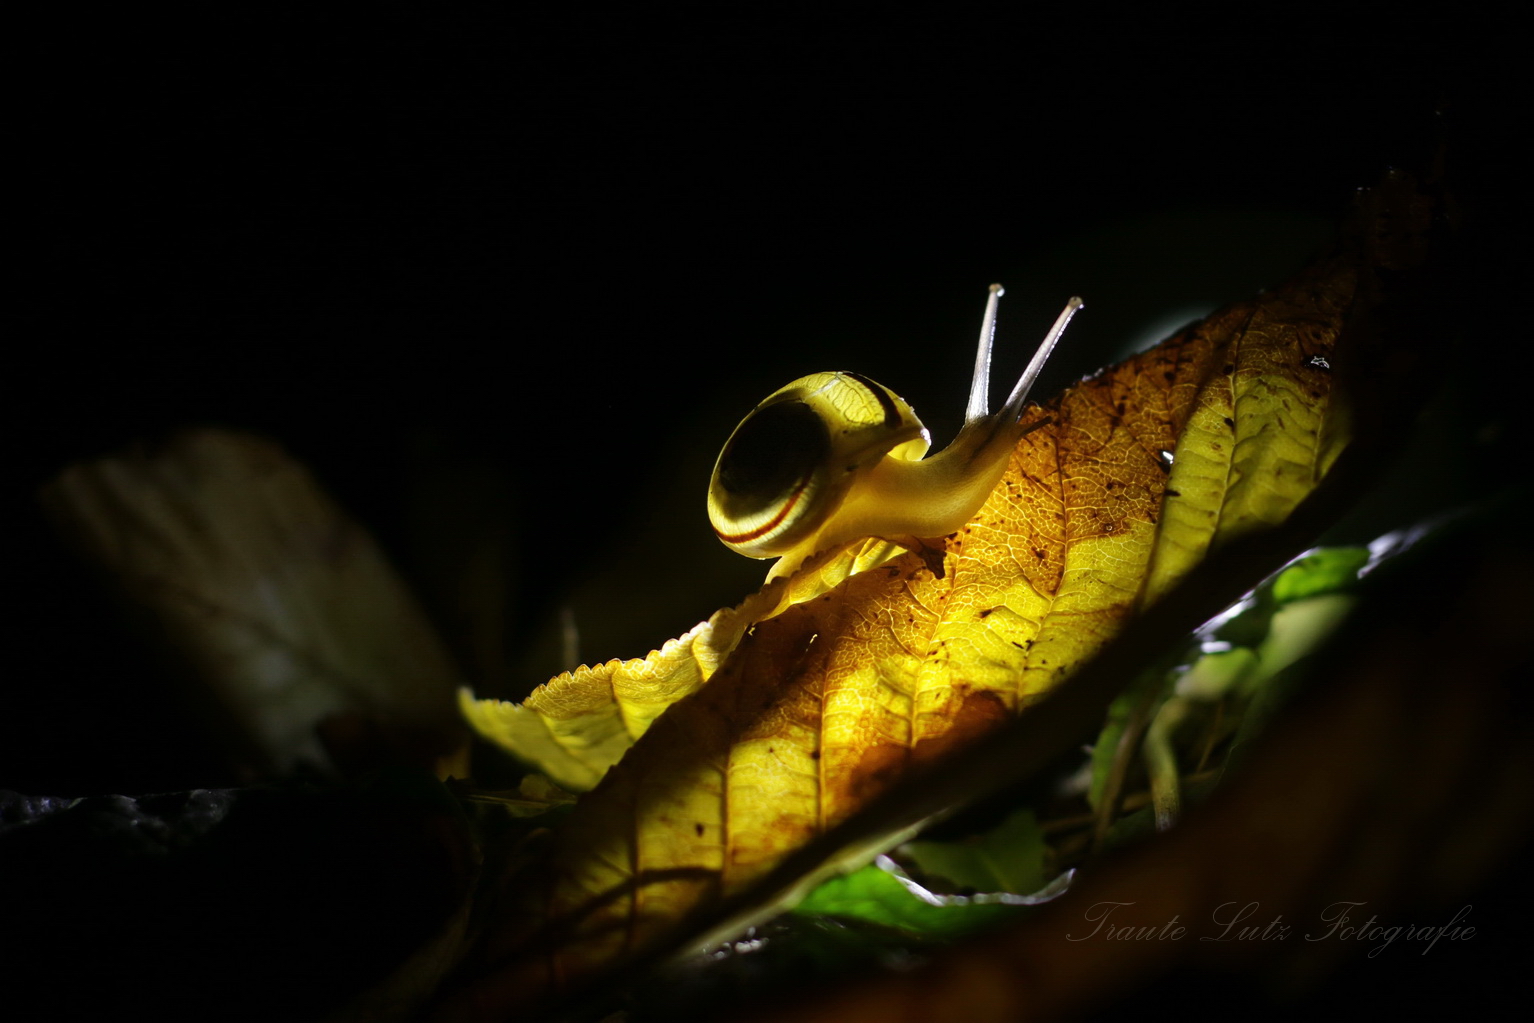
<point x="836" y="457"/>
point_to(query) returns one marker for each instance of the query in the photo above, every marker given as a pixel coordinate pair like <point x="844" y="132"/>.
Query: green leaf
<point x="1324" y="571"/>
<point x="1215" y="674"/>
<point x="881" y="894"/>
<point x="1105" y="750"/>
<point x="1008" y="859"/>
<point x="1298" y="629"/>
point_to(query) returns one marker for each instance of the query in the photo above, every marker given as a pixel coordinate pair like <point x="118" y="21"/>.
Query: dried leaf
<point x="282" y="606"/>
<point x="1262" y="432"/>
<point x="577" y="725"/>
<point x="1132" y="478"/>
<point x="1387" y="794"/>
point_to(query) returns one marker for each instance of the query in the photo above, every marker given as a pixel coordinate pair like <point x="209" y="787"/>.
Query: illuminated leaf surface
<point x="1134" y="475"/>
<point x="1386" y="790"/>
<point x="580" y="723"/>
<point x="1324" y="571"/>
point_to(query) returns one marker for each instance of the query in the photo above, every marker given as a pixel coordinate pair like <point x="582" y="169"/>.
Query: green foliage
<point x="1146" y="687"/>
<point x="883" y="895"/>
<point x="1241" y="662"/>
<point x="1328" y="570"/>
<point x="1215" y="674"/>
<point x="1010" y="858"/>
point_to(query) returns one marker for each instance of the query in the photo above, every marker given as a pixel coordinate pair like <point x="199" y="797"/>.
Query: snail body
<point x="836" y="457"/>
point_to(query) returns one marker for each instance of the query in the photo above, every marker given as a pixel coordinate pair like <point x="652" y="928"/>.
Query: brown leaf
<point x="1387" y="795"/>
<point x="581" y="723"/>
<point x="824" y="707"/>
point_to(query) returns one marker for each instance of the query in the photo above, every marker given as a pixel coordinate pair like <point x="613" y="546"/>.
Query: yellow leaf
<point x="1262" y="432"/>
<point x="577" y="725"/>
<point x="1132" y="476"/>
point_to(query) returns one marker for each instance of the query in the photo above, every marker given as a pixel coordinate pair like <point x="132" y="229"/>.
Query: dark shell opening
<point x="772" y="450"/>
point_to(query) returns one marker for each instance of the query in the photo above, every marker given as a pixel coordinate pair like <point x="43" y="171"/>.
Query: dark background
<point x="513" y="280"/>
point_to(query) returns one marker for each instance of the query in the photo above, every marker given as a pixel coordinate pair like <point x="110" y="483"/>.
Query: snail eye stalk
<point x="836" y="457"/>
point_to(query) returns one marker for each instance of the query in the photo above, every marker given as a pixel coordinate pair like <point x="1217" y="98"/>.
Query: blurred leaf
<point x="1296" y="630"/>
<point x="282" y="607"/>
<point x="535" y="797"/>
<point x="1215" y="674"/>
<point x="1322" y="571"/>
<point x="1009" y="858"/>
<point x="1110" y="747"/>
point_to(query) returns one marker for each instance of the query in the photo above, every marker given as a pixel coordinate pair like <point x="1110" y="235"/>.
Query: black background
<point x="530" y="270"/>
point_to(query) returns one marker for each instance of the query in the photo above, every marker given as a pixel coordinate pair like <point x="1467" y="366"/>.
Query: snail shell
<point x="837" y="457"/>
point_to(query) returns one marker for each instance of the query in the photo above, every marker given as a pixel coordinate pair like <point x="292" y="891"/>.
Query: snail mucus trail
<point x="836" y="457"/>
